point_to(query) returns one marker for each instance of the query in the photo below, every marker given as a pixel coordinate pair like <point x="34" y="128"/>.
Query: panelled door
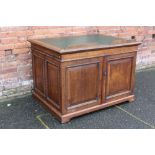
<point x="82" y="83"/>
<point x="119" y="72"/>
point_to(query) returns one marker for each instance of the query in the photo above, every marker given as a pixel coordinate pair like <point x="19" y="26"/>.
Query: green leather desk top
<point x="78" y="43"/>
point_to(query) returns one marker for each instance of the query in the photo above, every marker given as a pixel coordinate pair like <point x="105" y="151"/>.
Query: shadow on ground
<point x="26" y="113"/>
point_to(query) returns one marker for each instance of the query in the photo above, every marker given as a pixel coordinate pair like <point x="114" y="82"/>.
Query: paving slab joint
<point x="135" y="117"/>
<point x="38" y="117"/>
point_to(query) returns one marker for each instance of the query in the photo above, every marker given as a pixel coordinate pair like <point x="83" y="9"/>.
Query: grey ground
<point x="26" y="113"/>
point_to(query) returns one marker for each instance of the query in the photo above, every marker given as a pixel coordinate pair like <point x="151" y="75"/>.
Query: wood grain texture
<point x="53" y="90"/>
<point x="119" y="73"/>
<point x="38" y="74"/>
<point x="97" y="53"/>
<point x="82" y="82"/>
<point x="76" y="83"/>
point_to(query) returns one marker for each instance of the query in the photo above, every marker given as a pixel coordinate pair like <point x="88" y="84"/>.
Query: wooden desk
<point x="81" y="74"/>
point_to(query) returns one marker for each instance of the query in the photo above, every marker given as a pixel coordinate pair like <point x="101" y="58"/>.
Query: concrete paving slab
<point x="20" y="113"/>
<point x="144" y="105"/>
<point x="110" y="118"/>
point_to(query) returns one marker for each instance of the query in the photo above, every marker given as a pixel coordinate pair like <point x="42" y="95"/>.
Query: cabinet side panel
<point x="53" y="88"/>
<point x="38" y="74"/>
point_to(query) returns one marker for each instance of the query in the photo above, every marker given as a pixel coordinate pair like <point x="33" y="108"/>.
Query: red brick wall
<point x="15" y="53"/>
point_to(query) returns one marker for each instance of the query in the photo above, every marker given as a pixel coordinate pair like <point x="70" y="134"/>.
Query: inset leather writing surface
<point x="71" y="42"/>
<point x="75" y="43"/>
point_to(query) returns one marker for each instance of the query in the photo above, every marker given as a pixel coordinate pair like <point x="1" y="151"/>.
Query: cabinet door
<point x="120" y="71"/>
<point x="82" y="84"/>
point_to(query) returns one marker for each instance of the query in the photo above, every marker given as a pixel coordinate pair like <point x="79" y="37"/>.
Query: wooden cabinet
<point x="78" y="75"/>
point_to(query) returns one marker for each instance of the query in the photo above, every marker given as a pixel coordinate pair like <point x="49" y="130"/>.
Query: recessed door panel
<point x="53" y="85"/>
<point x="119" y="76"/>
<point x="83" y="84"/>
<point x="38" y="73"/>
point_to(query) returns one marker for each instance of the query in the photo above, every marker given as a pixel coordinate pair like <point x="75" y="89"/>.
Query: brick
<point x="9" y="75"/>
<point x="40" y="36"/>
<point x="25" y="44"/>
<point x="6" y="46"/>
<point x="9" y="40"/>
<point x="12" y="34"/>
<point x="50" y="31"/>
<point x="11" y="83"/>
<point x="14" y="28"/>
<point x="23" y="56"/>
<point x="22" y="39"/>
<point x="10" y="58"/>
<point x="9" y="64"/>
<point x="25" y="62"/>
<point x="25" y="68"/>
<point x="41" y="31"/>
<point x="8" y="70"/>
<point x="39" y="27"/>
<point x="21" y="50"/>
<point x="2" y="53"/>
<point x="8" y="52"/>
